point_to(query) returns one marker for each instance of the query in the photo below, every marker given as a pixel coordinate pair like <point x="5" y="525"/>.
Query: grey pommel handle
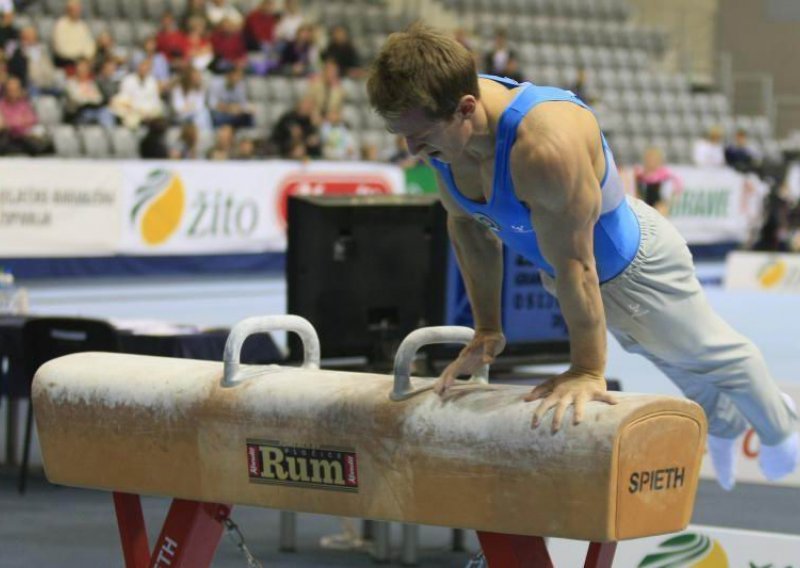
<point x="235" y="372"/>
<point x="417" y="339"/>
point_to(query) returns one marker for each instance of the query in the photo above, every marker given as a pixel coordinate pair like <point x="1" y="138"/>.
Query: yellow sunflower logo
<point x="688" y="550"/>
<point x="159" y="206"/>
<point x="772" y="273"/>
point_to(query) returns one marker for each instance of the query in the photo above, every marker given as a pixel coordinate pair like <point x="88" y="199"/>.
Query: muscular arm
<point x="480" y="258"/>
<point x="554" y="174"/>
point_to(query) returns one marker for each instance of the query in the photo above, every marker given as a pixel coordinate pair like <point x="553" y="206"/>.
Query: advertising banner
<point x="55" y="208"/>
<point x="763" y="272"/>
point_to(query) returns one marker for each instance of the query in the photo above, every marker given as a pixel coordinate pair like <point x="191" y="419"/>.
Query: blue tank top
<point x="616" y="233"/>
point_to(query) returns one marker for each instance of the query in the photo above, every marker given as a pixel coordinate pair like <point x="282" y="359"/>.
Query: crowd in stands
<point x="189" y="75"/>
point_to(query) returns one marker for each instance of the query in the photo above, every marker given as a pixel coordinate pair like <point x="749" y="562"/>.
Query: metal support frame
<point x="189" y="538"/>
<point x="516" y="551"/>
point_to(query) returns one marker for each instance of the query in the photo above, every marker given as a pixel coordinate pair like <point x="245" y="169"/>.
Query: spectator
<point x="579" y="87"/>
<point x="290" y="21"/>
<point x="369" y="152"/>
<point x="326" y="89"/>
<point x="740" y="155"/>
<point x="656" y="184"/>
<point x="170" y="39"/>
<point x="153" y="146"/>
<point x="497" y="59"/>
<point x="187" y="146"/>
<point x="342" y="50"/>
<point x="228" y="101"/>
<point x="31" y="63"/>
<point x="296" y="133"/>
<point x="8" y="31"/>
<point x="199" y="51"/>
<point x="85" y="102"/>
<point x="161" y="69"/>
<point x="188" y="100"/>
<point x="245" y="149"/>
<point x="194" y="9"/>
<point x="223" y="144"/>
<point x="218" y="11"/>
<point x="259" y="28"/>
<point x="299" y="56"/>
<point x="72" y="38"/>
<point x="230" y="50"/>
<point x="462" y="36"/>
<point x="20" y="126"/>
<point x="708" y="152"/>
<point x="139" y="99"/>
<point x="513" y="71"/>
<point x="338" y="142"/>
<point x="107" y="49"/>
<point x="108" y="80"/>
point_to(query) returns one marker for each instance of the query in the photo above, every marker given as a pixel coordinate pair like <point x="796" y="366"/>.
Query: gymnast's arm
<point x="480" y="259"/>
<point x="553" y="172"/>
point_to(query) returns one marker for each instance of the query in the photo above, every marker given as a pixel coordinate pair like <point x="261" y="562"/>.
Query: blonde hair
<point x="421" y="68"/>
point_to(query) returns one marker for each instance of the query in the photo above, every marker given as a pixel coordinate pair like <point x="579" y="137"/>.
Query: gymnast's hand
<point x="484" y="347"/>
<point x="571" y="387"/>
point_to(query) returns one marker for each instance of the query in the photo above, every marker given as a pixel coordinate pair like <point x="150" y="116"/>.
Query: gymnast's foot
<point x="723" y="458"/>
<point x="781" y="459"/>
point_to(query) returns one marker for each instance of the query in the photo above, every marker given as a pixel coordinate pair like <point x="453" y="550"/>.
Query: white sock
<point x="781" y="459"/>
<point x="723" y="458"/>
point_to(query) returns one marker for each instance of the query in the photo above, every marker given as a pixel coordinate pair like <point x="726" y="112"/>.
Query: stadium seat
<point x="66" y="141"/>
<point x="95" y="142"/>
<point x="48" y="110"/>
<point x="125" y="143"/>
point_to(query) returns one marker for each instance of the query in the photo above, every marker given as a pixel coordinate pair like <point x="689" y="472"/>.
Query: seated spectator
<point x="31" y="63"/>
<point x="580" y="87"/>
<point x="161" y="68"/>
<point x="20" y="128"/>
<point x="290" y="21"/>
<point x="656" y="184"/>
<point x="341" y="49"/>
<point x="85" y="102"/>
<point x="513" y="70"/>
<point x="462" y="36"/>
<point x="326" y="89"/>
<point x="139" y="98"/>
<point x="338" y="142"/>
<point x="496" y="60"/>
<point x="296" y="133"/>
<point x="740" y="155"/>
<point x="299" y="56"/>
<point x="72" y="38"/>
<point x="187" y="146"/>
<point x="8" y="31"/>
<point x="223" y="144"/>
<point x="199" y="51"/>
<point x="708" y="152"/>
<point x="170" y="39"/>
<point x="108" y="80"/>
<point x="369" y="153"/>
<point x="194" y="9"/>
<point x="153" y="146"/>
<point x="230" y="50"/>
<point x="219" y="10"/>
<point x="245" y="149"/>
<point x="107" y="49"/>
<point x="188" y="100"/>
<point x="228" y="102"/>
<point x="259" y="27"/>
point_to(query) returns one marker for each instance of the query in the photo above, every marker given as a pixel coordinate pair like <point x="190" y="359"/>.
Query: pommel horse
<point x="361" y="445"/>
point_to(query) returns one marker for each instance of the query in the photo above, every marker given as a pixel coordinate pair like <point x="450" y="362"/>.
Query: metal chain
<point x="233" y="532"/>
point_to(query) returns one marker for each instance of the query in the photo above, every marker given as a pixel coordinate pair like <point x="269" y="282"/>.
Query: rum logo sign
<point x="273" y="462"/>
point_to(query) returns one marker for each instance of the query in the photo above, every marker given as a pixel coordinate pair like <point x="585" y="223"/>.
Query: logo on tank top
<point x="487" y="221"/>
<point x="521" y="229"/>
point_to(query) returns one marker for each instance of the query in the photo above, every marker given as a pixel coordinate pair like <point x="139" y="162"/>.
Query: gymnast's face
<point x="442" y="139"/>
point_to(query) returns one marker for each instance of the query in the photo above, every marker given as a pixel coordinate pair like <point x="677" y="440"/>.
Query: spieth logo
<point x="688" y="550"/>
<point x="159" y="206"/>
<point x="318" y="468"/>
<point x="487" y="221"/>
<point x="326" y="183"/>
